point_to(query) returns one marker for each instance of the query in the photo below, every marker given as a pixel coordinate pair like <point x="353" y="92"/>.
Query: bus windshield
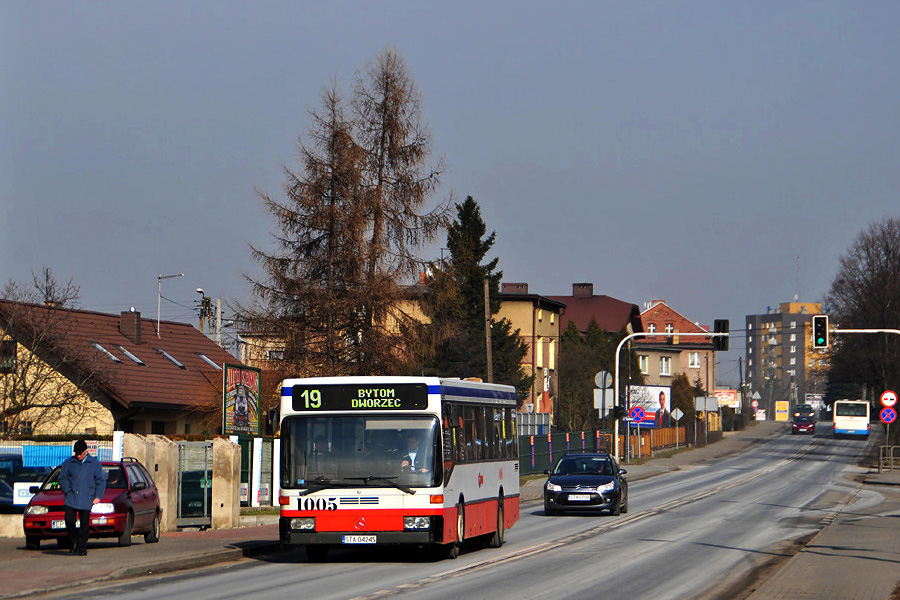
<point x="360" y="450"/>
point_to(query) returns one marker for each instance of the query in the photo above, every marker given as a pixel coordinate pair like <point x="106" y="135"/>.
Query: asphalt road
<point x="693" y="533"/>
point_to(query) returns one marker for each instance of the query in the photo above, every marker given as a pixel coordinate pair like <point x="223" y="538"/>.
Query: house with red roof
<point x="611" y="314"/>
<point x="65" y="371"/>
<point x="663" y="357"/>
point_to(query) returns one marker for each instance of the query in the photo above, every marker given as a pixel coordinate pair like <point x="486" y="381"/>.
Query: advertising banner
<point x="240" y="401"/>
<point x="655" y="400"/>
<point x="781" y="410"/>
<point x="728" y="398"/>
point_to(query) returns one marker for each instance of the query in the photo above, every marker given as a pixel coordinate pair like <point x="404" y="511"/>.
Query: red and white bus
<point x="423" y="461"/>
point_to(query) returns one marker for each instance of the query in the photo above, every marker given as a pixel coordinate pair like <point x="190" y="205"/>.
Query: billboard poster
<point x="655" y="400"/>
<point x="240" y="401"/>
<point x="728" y="398"/>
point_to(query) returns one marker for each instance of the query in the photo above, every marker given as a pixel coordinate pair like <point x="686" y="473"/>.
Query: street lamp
<point x="159" y="279"/>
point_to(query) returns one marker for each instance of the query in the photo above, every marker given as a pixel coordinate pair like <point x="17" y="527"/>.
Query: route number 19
<point x="311" y="398"/>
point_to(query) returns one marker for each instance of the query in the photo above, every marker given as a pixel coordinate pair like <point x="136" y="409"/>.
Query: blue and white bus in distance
<point x="851" y="417"/>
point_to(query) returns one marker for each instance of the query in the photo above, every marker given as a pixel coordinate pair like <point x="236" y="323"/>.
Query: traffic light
<point x="820" y="331"/>
<point x="720" y="342"/>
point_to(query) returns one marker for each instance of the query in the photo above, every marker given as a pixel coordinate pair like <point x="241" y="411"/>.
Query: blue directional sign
<point x="637" y="414"/>
<point x="888" y="415"/>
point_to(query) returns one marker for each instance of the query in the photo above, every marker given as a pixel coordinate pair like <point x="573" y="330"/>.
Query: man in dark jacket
<point x="83" y="481"/>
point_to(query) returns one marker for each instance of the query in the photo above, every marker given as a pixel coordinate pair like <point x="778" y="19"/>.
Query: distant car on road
<point x="804" y="410"/>
<point x="130" y="506"/>
<point x="585" y="482"/>
<point x="803" y="424"/>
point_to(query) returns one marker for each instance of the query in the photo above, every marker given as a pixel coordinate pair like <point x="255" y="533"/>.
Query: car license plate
<point x="358" y="539"/>
<point x="579" y="497"/>
<point x="58" y="525"/>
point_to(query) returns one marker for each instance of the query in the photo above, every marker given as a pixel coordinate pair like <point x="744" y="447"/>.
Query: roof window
<point x="131" y="356"/>
<point x="209" y="361"/>
<point x="105" y="351"/>
<point x="171" y="358"/>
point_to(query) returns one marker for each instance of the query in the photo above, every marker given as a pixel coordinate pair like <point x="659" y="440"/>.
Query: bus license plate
<point x="358" y="539"/>
<point x="579" y="497"/>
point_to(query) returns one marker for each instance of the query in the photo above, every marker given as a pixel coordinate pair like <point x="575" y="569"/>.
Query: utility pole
<point x="487" y="330"/>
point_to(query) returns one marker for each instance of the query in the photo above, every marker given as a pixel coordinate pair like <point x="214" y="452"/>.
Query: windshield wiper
<point x="389" y="480"/>
<point x="320" y="483"/>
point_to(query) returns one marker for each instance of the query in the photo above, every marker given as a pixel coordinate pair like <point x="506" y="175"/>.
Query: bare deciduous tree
<point x="865" y="294"/>
<point x="44" y="381"/>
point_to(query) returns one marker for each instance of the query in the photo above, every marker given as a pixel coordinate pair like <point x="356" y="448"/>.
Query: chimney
<point x="514" y="288"/>
<point x="130" y="325"/>
<point x="582" y="290"/>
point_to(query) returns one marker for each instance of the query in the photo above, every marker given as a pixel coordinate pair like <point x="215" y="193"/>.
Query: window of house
<point x="644" y="363"/>
<point x="131" y="356"/>
<point x="793" y="337"/>
<point x="750" y="362"/>
<point x="112" y="356"/>
<point x="793" y="349"/>
<point x="552" y="318"/>
<point x="694" y="360"/>
<point x="793" y="324"/>
<point x="551" y="354"/>
<point x="540" y="314"/>
<point x="651" y="328"/>
<point x="171" y="358"/>
<point x="275" y="354"/>
<point x="538" y="352"/>
<point x="665" y="365"/>
<point x="749" y="339"/>
<point x="793" y="361"/>
<point x="8" y="356"/>
<point x="670" y="328"/>
<point x="209" y="361"/>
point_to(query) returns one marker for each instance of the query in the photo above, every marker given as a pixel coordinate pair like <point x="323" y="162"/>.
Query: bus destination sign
<point x="402" y="396"/>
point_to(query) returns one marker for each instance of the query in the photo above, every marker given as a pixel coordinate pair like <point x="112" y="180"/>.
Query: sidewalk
<point x="870" y="538"/>
<point x="855" y="557"/>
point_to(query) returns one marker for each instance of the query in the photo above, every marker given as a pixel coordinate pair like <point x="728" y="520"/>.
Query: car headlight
<point x="37" y="509"/>
<point x="103" y="508"/>
<point x="552" y="487"/>
<point x="416" y="523"/>
<point x="304" y="523"/>
<point x="606" y="487"/>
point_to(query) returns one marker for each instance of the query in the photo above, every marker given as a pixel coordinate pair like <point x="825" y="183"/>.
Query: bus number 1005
<point x="311" y="398"/>
<point x="318" y="504"/>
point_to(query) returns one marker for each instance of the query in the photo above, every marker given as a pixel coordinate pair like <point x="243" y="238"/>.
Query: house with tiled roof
<point x="611" y="314"/>
<point x="538" y="320"/>
<point x="663" y="357"/>
<point x="76" y="371"/>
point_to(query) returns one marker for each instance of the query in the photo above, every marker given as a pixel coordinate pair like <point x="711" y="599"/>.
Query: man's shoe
<point x="82" y="552"/>
<point x="73" y="549"/>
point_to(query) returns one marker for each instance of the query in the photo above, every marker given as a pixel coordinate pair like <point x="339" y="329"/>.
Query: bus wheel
<point x="497" y="538"/>
<point x="316" y="553"/>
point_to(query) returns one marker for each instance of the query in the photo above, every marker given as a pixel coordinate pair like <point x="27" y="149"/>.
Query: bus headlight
<point x="416" y="523"/>
<point x="303" y="524"/>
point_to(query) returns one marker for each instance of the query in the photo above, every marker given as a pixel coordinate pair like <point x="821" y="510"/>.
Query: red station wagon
<point x="130" y="506"/>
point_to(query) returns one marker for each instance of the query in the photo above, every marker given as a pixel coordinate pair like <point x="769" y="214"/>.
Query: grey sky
<point x="693" y="151"/>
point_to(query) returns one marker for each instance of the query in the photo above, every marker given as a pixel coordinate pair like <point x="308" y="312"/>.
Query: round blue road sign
<point x="888" y="415"/>
<point x="637" y="414"/>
